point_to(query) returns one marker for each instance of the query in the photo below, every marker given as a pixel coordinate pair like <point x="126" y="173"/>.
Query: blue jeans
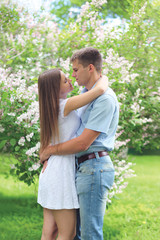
<point x="94" y="178"/>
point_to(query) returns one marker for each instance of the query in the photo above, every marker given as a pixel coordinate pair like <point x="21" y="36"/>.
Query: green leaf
<point x="23" y="177"/>
<point x="2" y="143"/>
<point x="9" y="62"/>
<point x="4" y="95"/>
<point x="13" y="142"/>
<point x="17" y="148"/>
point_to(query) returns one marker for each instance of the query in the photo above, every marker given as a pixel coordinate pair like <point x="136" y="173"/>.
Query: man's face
<point x="81" y="73"/>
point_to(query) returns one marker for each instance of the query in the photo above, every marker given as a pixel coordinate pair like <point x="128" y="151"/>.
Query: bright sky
<point x="32" y="5"/>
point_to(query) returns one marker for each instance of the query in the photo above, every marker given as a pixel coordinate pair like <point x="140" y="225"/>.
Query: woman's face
<point x="65" y="86"/>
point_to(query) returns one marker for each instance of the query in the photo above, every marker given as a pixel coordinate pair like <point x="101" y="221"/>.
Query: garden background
<point x="33" y="41"/>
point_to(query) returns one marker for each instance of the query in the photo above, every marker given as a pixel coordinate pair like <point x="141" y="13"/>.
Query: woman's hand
<point x="44" y="166"/>
<point x="102" y="83"/>
<point x="45" y="154"/>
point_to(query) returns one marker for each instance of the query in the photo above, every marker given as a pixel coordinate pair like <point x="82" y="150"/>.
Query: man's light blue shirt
<point x="102" y="116"/>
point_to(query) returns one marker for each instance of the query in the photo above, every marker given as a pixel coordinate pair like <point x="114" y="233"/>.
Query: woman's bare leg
<point x="66" y="223"/>
<point x="50" y="230"/>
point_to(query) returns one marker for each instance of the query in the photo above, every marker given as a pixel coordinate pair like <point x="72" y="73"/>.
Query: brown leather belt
<point x="91" y="156"/>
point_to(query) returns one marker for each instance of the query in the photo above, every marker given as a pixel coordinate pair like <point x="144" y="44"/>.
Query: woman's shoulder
<point x="62" y="103"/>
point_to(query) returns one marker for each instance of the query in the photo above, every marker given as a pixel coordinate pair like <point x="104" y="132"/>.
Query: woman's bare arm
<point x="78" y="101"/>
<point x="74" y="145"/>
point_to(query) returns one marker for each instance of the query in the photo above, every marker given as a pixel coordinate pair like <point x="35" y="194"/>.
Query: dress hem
<point x="51" y="208"/>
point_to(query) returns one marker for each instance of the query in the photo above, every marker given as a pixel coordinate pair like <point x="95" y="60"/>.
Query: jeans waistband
<point x="91" y="156"/>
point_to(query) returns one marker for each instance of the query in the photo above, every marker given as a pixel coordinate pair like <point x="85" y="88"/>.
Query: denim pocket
<point x="84" y="179"/>
<point x="107" y="179"/>
<point x="86" y="169"/>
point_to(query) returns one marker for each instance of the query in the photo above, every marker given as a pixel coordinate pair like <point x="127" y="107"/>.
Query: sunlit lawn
<point x="134" y="216"/>
<point x="20" y="216"/>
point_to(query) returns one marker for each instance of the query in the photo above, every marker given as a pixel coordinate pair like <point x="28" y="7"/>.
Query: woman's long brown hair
<point x="48" y="89"/>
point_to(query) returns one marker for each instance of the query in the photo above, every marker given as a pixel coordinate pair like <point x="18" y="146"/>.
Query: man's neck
<point x="94" y="78"/>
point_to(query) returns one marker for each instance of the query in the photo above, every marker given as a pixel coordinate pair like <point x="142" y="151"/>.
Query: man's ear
<point x="91" y="67"/>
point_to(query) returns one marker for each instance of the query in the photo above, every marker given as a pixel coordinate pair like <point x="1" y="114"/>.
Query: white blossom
<point x="11" y="114"/>
<point x="29" y="136"/>
<point x="21" y="141"/>
<point x="65" y="63"/>
<point x="1" y="128"/>
<point x="34" y="167"/>
<point x="33" y="151"/>
<point x="12" y="166"/>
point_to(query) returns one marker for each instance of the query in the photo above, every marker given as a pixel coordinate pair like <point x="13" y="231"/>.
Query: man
<point x="99" y="120"/>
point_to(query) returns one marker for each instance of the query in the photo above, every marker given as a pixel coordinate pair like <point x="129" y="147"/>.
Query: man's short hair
<point x="88" y="55"/>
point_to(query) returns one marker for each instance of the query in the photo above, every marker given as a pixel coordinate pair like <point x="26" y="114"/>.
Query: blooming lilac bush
<point x="41" y="45"/>
<point x="19" y="118"/>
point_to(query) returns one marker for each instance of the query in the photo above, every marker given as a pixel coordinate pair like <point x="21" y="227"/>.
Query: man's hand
<point x="45" y="154"/>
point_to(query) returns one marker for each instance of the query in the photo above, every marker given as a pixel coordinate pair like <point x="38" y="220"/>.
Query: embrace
<point x="76" y="136"/>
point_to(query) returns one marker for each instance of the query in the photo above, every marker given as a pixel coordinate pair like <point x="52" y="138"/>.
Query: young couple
<point x="84" y="136"/>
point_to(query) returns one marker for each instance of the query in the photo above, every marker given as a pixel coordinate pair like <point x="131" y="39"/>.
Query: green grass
<point x="134" y="216"/>
<point x="21" y="218"/>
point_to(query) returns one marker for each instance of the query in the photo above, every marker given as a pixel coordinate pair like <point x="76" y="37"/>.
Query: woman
<point x="59" y="123"/>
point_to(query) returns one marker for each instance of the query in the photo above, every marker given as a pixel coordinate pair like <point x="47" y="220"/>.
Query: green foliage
<point x="140" y="43"/>
<point x="9" y="19"/>
<point x="131" y="62"/>
<point x="22" y="39"/>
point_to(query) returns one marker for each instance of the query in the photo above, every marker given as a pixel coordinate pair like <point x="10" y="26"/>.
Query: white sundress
<point x="57" y="188"/>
